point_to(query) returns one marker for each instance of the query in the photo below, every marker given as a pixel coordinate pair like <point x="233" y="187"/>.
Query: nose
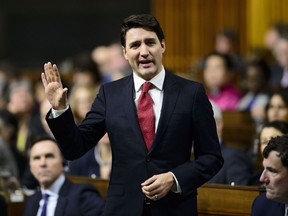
<point x="144" y="51"/>
<point x="264" y="178"/>
<point x="42" y="161"/>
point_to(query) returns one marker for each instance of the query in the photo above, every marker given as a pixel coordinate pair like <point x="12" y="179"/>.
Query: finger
<point x="56" y="74"/>
<point x="44" y="81"/>
<point x="149" y="181"/>
<point x="48" y="72"/>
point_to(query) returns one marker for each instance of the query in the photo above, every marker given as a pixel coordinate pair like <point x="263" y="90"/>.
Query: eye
<point x="150" y="42"/>
<point x="134" y="45"/>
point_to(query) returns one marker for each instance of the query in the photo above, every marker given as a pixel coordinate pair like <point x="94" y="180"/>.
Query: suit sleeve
<point x="74" y="141"/>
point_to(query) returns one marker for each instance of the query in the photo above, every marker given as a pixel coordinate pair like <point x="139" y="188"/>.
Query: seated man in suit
<point x="275" y="178"/>
<point x="60" y="196"/>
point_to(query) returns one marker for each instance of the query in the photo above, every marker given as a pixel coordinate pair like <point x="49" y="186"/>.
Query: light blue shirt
<point x="53" y="192"/>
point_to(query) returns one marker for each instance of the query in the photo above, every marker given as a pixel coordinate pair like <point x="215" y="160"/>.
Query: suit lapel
<point x="36" y="199"/>
<point x="62" y="200"/>
<point x="171" y="92"/>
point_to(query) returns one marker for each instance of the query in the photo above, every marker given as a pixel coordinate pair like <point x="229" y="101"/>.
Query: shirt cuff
<point x="56" y="113"/>
<point x="176" y="188"/>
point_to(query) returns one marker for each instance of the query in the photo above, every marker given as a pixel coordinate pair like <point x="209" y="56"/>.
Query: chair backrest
<point x="100" y="184"/>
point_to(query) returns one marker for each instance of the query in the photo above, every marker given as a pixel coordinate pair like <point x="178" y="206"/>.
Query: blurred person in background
<point x="111" y="62"/>
<point x="85" y="71"/>
<point x="8" y="166"/>
<point x="97" y="161"/>
<point x="237" y="168"/>
<point x="218" y="77"/>
<point x="226" y="43"/>
<point x="257" y="92"/>
<point x="8" y="74"/>
<point x="279" y="75"/>
<point x="81" y="99"/>
<point x="21" y="103"/>
<point x="277" y="107"/>
<point x="63" y="197"/>
<point x="9" y="136"/>
<point x="273" y="33"/>
<point x="9" y="170"/>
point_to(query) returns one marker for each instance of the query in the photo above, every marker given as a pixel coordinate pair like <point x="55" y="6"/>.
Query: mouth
<point x="145" y="63"/>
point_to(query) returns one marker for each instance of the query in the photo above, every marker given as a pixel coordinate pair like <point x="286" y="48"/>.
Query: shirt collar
<point x="55" y="187"/>
<point x="157" y="81"/>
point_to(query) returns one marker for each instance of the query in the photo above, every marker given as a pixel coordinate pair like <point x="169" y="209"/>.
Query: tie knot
<point x="45" y="196"/>
<point x="146" y="86"/>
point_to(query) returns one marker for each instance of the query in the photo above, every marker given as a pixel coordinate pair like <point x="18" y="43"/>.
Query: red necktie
<point x="146" y="115"/>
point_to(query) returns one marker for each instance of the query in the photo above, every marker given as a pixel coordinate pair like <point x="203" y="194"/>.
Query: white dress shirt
<point x="53" y="192"/>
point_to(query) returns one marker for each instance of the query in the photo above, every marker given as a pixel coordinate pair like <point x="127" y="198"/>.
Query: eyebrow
<point x="150" y="39"/>
<point x="45" y="155"/>
<point x="271" y="169"/>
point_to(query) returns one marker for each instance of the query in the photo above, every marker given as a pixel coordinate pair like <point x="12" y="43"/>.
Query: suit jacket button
<point x="148" y="159"/>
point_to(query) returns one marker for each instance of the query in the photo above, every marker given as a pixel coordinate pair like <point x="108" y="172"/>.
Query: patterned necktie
<point x="146" y="115"/>
<point x="44" y="208"/>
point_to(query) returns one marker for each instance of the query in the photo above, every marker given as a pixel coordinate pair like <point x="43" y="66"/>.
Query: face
<point x="84" y="100"/>
<point x="266" y="134"/>
<point x="255" y="79"/>
<point x="21" y="100"/>
<point x="46" y="163"/>
<point x="215" y="74"/>
<point x="275" y="178"/>
<point x="223" y="44"/>
<point x="270" y="38"/>
<point x="281" y="52"/>
<point x="83" y="78"/>
<point x="277" y="109"/>
<point x="144" y="52"/>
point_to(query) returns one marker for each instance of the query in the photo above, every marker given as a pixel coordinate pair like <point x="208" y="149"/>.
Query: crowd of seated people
<point x="233" y="83"/>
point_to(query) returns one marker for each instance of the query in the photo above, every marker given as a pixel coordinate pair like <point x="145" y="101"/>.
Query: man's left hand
<point x="158" y="186"/>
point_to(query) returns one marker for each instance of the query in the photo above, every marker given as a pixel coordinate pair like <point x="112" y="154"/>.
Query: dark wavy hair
<point x="145" y="21"/>
<point x="280" y="145"/>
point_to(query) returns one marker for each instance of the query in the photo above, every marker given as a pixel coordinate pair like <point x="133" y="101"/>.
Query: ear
<point x="163" y="45"/>
<point x="124" y="52"/>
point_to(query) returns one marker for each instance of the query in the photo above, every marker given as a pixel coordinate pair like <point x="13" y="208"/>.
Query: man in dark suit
<point x="152" y="174"/>
<point x="64" y="198"/>
<point x="275" y="178"/>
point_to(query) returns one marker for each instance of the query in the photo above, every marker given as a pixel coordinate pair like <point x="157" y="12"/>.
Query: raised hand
<point x="55" y="93"/>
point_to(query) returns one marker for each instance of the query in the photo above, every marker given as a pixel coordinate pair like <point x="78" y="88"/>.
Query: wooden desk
<point x="213" y="199"/>
<point x="229" y="200"/>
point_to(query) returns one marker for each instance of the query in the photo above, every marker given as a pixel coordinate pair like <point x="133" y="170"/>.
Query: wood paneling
<point x="260" y="15"/>
<point x="190" y="27"/>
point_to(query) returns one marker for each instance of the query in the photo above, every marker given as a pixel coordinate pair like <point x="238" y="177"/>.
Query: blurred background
<point x="33" y="32"/>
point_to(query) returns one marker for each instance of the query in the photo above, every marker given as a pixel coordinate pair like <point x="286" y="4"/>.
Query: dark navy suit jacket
<point x="186" y="119"/>
<point x="265" y="207"/>
<point x="74" y="200"/>
<point x="237" y="167"/>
